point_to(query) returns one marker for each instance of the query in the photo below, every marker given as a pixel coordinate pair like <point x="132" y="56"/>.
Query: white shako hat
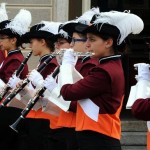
<point x="17" y="26"/>
<point x="116" y="24"/>
<point x="83" y="20"/>
<point x="3" y="13"/>
<point x="44" y="29"/>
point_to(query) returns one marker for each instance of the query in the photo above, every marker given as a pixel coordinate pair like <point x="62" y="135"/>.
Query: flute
<point x="15" y="91"/>
<point x="6" y="88"/>
<point x="31" y="103"/>
<point x="61" y="52"/>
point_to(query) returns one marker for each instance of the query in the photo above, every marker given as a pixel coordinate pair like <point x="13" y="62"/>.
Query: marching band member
<point x="141" y="107"/>
<point x="11" y="32"/>
<point x="67" y="120"/>
<point x="98" y="94"/>
<point x="37" y="125"/>
<point x="10" y="35"/>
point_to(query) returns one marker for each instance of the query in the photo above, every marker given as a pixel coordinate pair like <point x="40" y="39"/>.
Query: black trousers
<point x="35" y="134"/>
<point x="68" y="136"/>
<point x="8" y="137"/>
<point x="89" y="140"/>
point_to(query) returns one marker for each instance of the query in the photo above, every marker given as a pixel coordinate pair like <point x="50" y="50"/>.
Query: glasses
<point x="73" y="41"/>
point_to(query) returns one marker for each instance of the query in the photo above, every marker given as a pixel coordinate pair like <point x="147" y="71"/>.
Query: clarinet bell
<point x="15" y="125"/>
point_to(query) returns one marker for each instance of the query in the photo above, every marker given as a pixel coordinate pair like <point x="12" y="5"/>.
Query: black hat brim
<point x="7" y="31"/>
<point x="75" y="27"/>
<point x="70" y="27"/>
<point x="80" y="28"/>
<point x="104" y="28"/>
<point x="37" y="34"/>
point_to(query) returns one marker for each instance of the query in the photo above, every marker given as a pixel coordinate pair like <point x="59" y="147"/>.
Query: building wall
<point x="50" y="10"/>
<point x="40" y="10"/>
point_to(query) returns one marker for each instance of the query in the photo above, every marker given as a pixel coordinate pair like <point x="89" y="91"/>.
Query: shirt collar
<point x="44" y="57"/>
<point x="85" y="58"/>
<point x="13" y="51"/>
<point x="108" y="58"/>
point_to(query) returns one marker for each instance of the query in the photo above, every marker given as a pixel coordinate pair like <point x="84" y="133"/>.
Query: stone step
<point x="136" y="126"/>
<point x="133" y="138"/>
<point x="133" y="147"/>
<point x="133" y="135"/>
<point x="133" y="132"/>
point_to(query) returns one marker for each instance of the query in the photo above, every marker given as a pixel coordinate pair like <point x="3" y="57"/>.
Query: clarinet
<point x="31" y="104"/>
<point x="17" y="72"/>
<point x="15" y="91"/>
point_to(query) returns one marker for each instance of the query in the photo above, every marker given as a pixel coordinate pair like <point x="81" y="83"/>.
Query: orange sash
<point x="148" y="140"/>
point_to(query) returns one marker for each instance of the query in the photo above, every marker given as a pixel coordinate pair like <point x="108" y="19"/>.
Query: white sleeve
<point x="140" y="90"/>
<point x="68" y="75"/>
<point x="143" y="89"/>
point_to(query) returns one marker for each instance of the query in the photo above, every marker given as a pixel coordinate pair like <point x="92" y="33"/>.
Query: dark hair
<point x="49" y="43"/>
<point x="18" y="42"/>
<point x="116" y="48"/>
<point x="81" y="35"/>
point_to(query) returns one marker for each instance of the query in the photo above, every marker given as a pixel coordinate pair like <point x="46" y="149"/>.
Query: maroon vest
<point x="10" y="64"/>
<point x="1" y="56"/>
